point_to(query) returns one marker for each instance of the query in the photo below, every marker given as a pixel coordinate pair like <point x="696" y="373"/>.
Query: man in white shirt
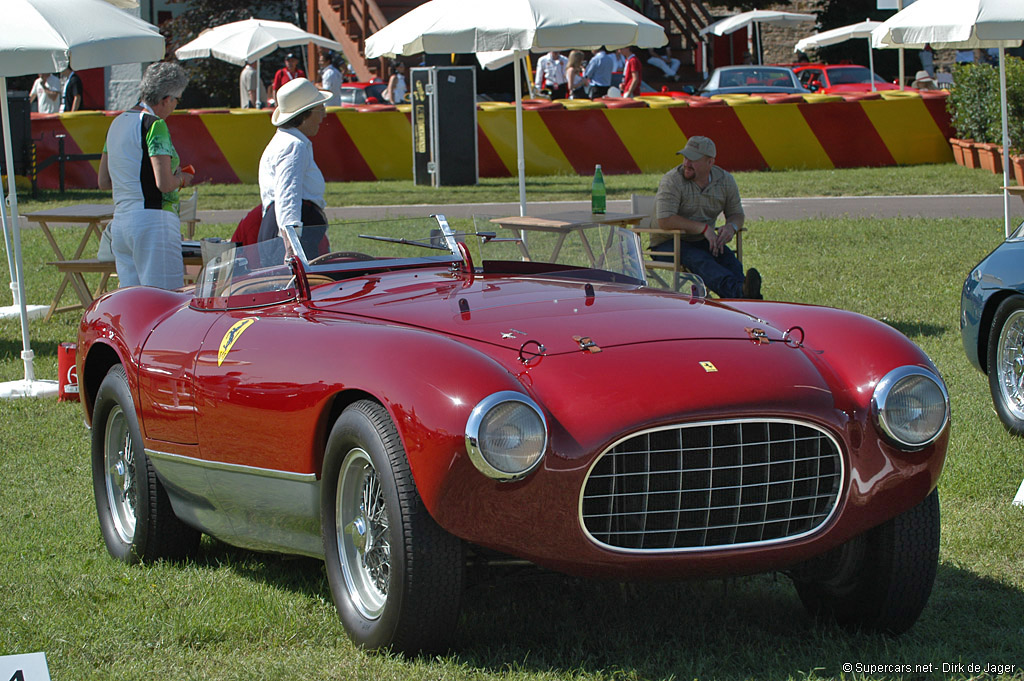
<point x="330" y="78"/>
<point x="551" y="74"/>
<point x="46" y="91"/>
<point x="251" y="93"/>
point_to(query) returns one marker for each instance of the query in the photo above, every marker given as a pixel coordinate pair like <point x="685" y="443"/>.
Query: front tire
<point x="880" y="581"/>
<point x="135" y="515"/>
<point x="1006" y="363"/>
<point x="396" y="577"/>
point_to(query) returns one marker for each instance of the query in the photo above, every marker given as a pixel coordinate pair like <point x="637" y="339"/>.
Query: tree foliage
<point x="214" y="82"/>
<point x="836" y="13"/>
<point x="974" y="106"/>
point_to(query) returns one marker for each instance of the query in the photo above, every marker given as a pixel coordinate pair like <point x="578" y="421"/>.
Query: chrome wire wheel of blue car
<point x="362" y="522"/>
<point x="1006" y="363"/>
<point x="135" y="513"/>
<point x="395" y="575"/>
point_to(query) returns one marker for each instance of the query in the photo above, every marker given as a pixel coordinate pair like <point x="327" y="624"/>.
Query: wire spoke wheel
<point x="119" y="464"/>
<point x="363" y="534"/>
<point x="395" y="575"/>
<point x="1010" y="363"/>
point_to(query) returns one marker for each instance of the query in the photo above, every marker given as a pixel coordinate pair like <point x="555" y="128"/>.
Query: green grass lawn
<point x="234" y="614"/>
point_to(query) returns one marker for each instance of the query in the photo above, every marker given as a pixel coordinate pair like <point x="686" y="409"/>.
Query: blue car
<point x="992" y="326"/>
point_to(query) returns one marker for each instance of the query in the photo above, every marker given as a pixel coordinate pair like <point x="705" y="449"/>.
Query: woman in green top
<point x="142" y="168"/>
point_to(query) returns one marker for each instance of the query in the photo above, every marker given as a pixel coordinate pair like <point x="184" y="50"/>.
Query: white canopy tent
<point x="476" y="26"/>
<point x="834" y="36"/>
<point x="961" y="24"/>
<point x="756" y="18"/>
<point x="45" y="36"/>
<point x="249" y="41"/>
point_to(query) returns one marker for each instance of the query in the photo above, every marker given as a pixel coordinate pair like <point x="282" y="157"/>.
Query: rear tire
<point x="881" y="580"/>
<point x="135" y="515"/>
<point x="1005" y="363"/>
<point x="396" y="577"/>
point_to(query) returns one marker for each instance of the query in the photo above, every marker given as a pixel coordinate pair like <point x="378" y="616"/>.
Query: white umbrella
<point x="755" y="17"/>
<point x="834" y="36"/>
<point x="962" y="24"/>
<point x="250" y="40"/>
<point x="46" y="36"/>
<point x="475" y="26"/>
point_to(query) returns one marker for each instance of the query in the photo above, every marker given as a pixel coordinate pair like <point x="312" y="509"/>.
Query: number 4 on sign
<point x="28" y="667"/>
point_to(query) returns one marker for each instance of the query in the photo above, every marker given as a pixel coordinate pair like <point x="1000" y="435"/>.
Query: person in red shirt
<point x="284" y="75"/>
<point x="630" y="74"/>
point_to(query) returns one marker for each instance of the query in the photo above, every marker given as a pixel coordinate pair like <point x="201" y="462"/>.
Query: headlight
<point x="911" y="406"/>
<point x="506" y="435"/>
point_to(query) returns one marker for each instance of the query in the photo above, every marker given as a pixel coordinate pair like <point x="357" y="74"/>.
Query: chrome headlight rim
<point x="881" y="395"/>
<point x="475" y="422"/>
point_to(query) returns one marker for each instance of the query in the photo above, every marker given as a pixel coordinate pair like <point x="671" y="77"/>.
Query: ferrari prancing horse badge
<point x="231" y="336"/>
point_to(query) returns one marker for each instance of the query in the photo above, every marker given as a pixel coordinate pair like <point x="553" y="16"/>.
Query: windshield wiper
<point x="410" y="242"/>
<point x="435" y="240"/>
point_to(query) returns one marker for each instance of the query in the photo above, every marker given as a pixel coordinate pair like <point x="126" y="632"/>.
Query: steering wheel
<point x="340" y="255"/>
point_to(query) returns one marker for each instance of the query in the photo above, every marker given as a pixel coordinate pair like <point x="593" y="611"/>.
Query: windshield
<point x="259" y="274"/>
<point x="852" y="75"/>
<point x="759" y="76"/>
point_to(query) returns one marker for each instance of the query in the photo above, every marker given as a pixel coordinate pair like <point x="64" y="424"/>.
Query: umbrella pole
<point x="29" y="387"/>
<point x="259" y="86"/>
<point x="1006" y="142"/>
<point x="871" y="64"/>
<point x="520" y="154"/>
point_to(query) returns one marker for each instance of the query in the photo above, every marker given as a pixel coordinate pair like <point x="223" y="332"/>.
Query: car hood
<point x="510" y="311"/>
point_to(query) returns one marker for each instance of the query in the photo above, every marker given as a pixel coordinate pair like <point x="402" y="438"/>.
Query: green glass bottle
<point x="597" y="192"/>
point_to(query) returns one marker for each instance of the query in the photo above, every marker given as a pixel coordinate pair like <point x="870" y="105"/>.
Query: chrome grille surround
<point x="712" y="485"/>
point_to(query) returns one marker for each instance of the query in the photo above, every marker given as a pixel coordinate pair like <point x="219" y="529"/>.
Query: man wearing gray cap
<point x="690" y="198"/>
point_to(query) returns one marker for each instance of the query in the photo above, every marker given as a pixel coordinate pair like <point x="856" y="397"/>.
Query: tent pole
<point x="29" y="387"/>
<point x="1006" y="142"/>
<point x="899" y="8"/>
<point x="871" y="64"/>
<point x="520" y="153"/>
<point x="259" y="85"/>
<point x="19" y="281"/>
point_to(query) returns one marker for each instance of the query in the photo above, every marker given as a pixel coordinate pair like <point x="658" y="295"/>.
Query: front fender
<point x="107" y="336"/>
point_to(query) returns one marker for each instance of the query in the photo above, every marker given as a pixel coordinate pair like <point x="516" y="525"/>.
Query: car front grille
<point x="712" y="485"/>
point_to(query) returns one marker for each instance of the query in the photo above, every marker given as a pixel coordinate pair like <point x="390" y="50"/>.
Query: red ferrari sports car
<point x="836" y="79"/>
<point x="397" y="398"/>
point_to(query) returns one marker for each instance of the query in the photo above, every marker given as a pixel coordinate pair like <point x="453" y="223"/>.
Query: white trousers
<point x="147" y="248"/>
<point x="669" y="68"/>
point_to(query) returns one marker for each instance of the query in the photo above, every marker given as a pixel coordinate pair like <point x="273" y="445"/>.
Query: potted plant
<point x="990" y="157"/>
<point x="958" y="151"/>
<point x="973" y="110"/>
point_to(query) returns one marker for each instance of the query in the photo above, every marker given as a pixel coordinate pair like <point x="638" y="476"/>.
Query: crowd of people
<point x="572" y="77"/>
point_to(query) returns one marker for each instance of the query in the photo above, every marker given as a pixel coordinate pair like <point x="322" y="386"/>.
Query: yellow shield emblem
<point x="231" y="336"/>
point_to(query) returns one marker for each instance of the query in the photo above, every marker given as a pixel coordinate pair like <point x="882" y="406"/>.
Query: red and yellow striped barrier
<point x="818" y="132"/>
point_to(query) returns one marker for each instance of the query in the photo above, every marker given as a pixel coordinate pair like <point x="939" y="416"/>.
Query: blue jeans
<point x="723" y="273"/>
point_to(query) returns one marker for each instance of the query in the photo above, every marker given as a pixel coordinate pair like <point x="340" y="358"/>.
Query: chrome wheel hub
<point x="362" y="523"/>
<point x="119" y="467"/>
<point x="1010" y="364"/>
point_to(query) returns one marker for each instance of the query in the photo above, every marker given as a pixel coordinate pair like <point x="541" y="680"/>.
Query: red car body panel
<point x="827" y="75"/>
<point x="429" y="344"/>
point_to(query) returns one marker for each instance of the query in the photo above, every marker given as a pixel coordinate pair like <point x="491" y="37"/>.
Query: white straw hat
<point x="296" y="96"/>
